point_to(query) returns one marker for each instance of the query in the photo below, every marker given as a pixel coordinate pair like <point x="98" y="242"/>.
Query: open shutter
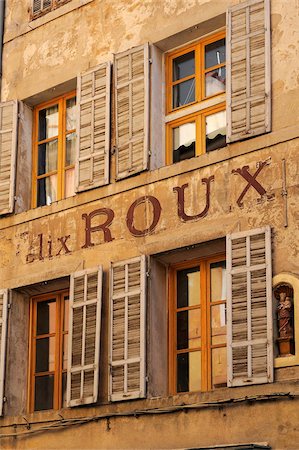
<point x="8" y="151"/>
<point x="3" y="327"/>
<point x="131" y="75"/>
<point x="248" y="70"/>
<point x="93" y="97"/>
<point x="84" y="337"/>
<point x="40" y="5"/>
<point x="249" y="307"/>
<point x="127" y="329"/>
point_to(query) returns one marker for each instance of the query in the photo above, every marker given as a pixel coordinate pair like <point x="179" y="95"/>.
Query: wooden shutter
<point x="131" y="75"/>
<point x="249" y="307"/>
<point x="84" y="337"/>
<point x="248" y="70"/>
<point x="127" y="329"/>
<point x="40" y="5"/>
<point x="3" y="327"/>
<point x="8" y="151"/>
<point x="93" y="97"/>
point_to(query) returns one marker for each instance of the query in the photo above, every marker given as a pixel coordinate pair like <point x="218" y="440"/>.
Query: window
<point x="195" y="108"/>
<point x="54" y="150"/>
<point x="40" y="7"/>
<point x="197" y="328"/>
<point x="48" y="347"/>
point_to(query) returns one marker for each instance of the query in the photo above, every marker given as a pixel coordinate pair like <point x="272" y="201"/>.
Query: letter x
<point x="251" y="181"/>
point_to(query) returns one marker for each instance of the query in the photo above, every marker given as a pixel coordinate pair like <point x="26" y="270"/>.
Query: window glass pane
<point x="183" y="66"/>
<point x="183" y="93"/>
<point x="215" y="53"/>
<point x="47" y="190"/>
<point x="184" y="138"/>
<point x="70" y="153"/>
<point x="218" y="324"/>
<point x="48" y="123"/>
<point x="64" y="351"/>
<point x="189" y="371"/>
<point x="46" y="317"/>
<point x="66" y="314"/>
<point x="47" y="157"/>
<point x="69" y="183"/>
<point x="188" y="329"/>
<point x="45" y="355"/>
<point x="219" y="362"/>
<point x="44" y="387"/>
<point x="64" y="381"/>
<point x="188" y="287"/>
<point x="215" y="131"/>
<point x="218" y="281"/>
<point x="71" y="114"/>
<point x="215" y="81"/>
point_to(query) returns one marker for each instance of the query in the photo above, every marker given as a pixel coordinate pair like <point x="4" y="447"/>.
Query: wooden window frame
<point x="201" y="106"/>
<point x="61" y="101"/>
<point x="60" y="297"/>
<point x="205" y="306"/>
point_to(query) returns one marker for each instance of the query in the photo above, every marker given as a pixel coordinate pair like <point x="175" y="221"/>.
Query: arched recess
<point x="293" y="280"/>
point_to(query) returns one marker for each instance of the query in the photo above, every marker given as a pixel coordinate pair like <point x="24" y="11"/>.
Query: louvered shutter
<point x="127" y="329"/>
<point x="84" y="337"/>
<point x="92" y="163"/>
<point x="249" y="307"/>
<point x="40" y="5"/>
<point x="131" y="75"/>
<point x="248" y="70"/>
<point x="8" y="151"/>
<point x="3" y="327"/>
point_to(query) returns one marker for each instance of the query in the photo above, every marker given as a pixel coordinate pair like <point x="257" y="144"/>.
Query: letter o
<point x="130" y="215"/>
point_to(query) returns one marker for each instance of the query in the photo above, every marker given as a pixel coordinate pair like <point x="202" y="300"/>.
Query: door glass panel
<point x="183" y="93"/>
<point x="45" y="355"/>
<point x="183" y="66"/>
<point x="47" y="157"/>
<point x="48" y="123"/>
<point x="69" y="187"/>
<point x="70" y="154"/>
<point x="215" y="53"/>
<point x="47" y="190"/>
<point x="184" y="141"/>
<point x="188" y="287"/>
<point x="218" y="324"/>
<point x="189" y="329"/>
<point x="215" y="131"/>
<point x="215" y="81"/>
<point x="71" y="114"/>
<point x="46" y="317"/>
<point x="43" y="395"/>
<point x="219" y="362"/>
<point x="189" y="371"/>
<point x="218" y="281"/>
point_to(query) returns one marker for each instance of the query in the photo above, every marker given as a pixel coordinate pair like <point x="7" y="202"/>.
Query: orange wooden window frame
<point x="61" y="146"/>
<point x="205" y="306"/>
<point x="199" y="76"/>
<point x="60" y="298"/>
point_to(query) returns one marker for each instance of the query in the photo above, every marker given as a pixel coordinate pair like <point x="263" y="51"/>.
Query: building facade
<point x="149" y="280"/>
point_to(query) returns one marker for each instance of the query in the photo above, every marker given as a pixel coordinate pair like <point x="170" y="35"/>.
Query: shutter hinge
<point x="8" y="305"/>
<point x="150" y="61"/>
<point x="147" y="273"/>
<point x="113" y="150"/>
<point x="4" y="399"/>
<point x="149" y="153"/>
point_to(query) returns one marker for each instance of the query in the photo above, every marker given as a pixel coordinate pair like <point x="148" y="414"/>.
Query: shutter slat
<point x="3" y="330"/>
<point x="248" y="70"/>
<point x="249" y="308"/>
<point x="93" y="143"/>
<point x="84" y="337"/>
<point x="8" y="151"/>
<point x="132" y="110"/>
<point x="127" y="329"/>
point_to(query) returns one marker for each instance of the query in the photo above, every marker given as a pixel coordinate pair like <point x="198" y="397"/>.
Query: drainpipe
<point x="2" y="16"/>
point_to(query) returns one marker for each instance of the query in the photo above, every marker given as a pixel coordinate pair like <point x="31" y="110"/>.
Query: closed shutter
<point x="131" y="74"/>
<point x="8" y="151"/>
<point x="92" y="165"/>
<point x="127" y="329"/>
<point x="3" y="327"/>
<point x="248" y="70"/>
<point x="40" y="5"/>
<point x="84" y="337"/>
<point x="249" y="308"/>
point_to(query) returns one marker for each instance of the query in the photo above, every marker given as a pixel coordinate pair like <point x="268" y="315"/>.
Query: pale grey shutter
<point x="93" y="97"/>
<point x="248" y="70"/>
<point x="127" y="329"/>
<point x="249" y="307"/>
<point x="8" y="151"/>
<point x="40" y="5"/>
<point x="84" y="337"/>
<point x="3" y="328"/>
<point x="131" y="75"/>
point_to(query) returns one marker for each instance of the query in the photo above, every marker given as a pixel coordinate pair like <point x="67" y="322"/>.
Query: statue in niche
<point x="285" y="319"/>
